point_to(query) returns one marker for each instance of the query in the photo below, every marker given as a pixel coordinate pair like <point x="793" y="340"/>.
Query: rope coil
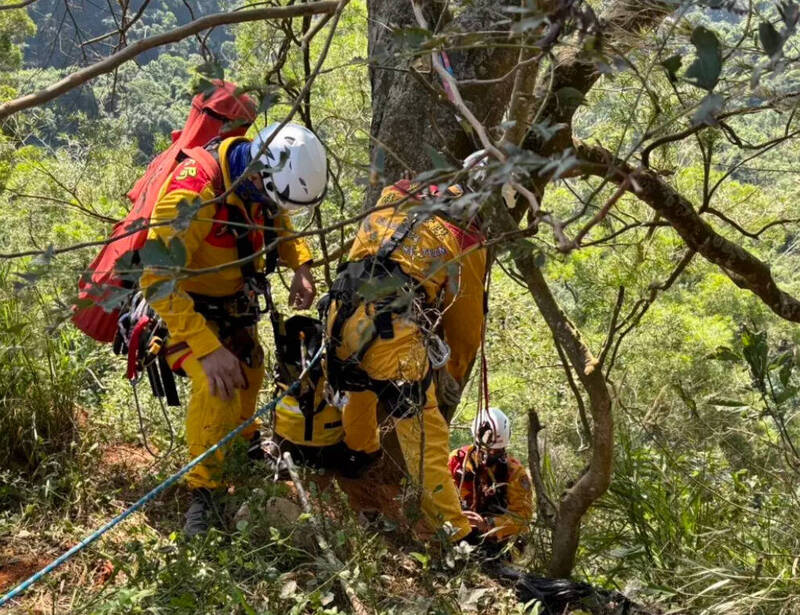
<point x="27" y="583"/>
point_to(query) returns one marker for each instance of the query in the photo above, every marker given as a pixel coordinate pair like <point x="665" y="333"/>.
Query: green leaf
<point x="177" y="252"/>
<point x="570" y="98"/>
<point x="771" y="41"/>
<point x="249" y="610"/>
<point x="114" y="297"/>
<point x="46" y="257"/>
<point x="412" y="37"/>
<point x="723" y="353"/>
<point x="687" y="399"/>
<point x="755" y="350"/>
<point x="672" y="65"/>
<point x="211" y="70"/>
<point x="421" y="558"/>
<point x="785" y="395"/>
<point x="160" y="290"/>
<point x="267" y="101"/>
<point x="374" y="289"/>
<point x="705" y="70"/>
<point x="155" y="253"/>
<point x="709" y="107"/>
<point x="729" y="403"/>
<point x="439" y="161"/>
<point x="187" y="211"/>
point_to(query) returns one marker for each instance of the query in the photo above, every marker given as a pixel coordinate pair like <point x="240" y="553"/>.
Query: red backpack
<point x="222" y="113"/>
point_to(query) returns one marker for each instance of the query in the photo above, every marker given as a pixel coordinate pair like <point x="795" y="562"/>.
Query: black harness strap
<point x="309" y="412"/>
<point x="347" y="374"/>
<point x="244" y="247"/>
<point x="400" y="233"/>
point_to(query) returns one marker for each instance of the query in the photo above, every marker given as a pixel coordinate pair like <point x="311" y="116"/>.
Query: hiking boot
<point x="356" y="463"/>
<point x="201" y="514"/>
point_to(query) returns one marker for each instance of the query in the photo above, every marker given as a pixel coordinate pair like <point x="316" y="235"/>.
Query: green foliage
<point x="706" y="68"/>
<point x="702" y="511"/>
<point x="15" y="27"/>
<point x="40" y="379"/>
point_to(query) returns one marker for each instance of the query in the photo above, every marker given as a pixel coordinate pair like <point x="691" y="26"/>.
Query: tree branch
<point x="110" y="63"/>
<point x="744" y="269"/>
<point x="18" y="5"/>
<point x="573" y="70"/>
<point x="547" y="510"/>
<point x="327" y="551"/>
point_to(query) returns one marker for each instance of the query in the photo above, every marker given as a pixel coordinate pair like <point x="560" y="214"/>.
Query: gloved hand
<point x="448" y="392"/>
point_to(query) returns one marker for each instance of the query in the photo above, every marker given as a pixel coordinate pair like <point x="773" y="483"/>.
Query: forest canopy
<point x="638" y="204"/>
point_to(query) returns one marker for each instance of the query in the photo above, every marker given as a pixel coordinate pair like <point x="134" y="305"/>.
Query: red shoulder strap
<point x="210" y="166"/>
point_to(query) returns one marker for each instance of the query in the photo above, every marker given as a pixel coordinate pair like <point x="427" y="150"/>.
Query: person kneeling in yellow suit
<point x="495" y="488"/>
<point x="407" y="271"/>
<point x="306" y="425"/>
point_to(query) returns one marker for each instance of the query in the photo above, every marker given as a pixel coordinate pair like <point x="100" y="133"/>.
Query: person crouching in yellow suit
<point x="495" y="488"/>
<point x="407" y="273"/>
<point x="306" y="426"/>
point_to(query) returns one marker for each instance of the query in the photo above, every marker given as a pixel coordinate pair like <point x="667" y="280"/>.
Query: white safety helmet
<point x="492" y="428"/>
<point x="475" y="166"/>
<point x="302" y="180"/>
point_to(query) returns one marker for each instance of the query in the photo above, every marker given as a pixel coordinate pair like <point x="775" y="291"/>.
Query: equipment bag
<point x="221" y="113"/>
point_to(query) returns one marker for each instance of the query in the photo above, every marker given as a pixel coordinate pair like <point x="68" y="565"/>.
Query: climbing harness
<point x="291" y="390"/>
<point x="402" y="295"/>
<point x="143" y="337"/>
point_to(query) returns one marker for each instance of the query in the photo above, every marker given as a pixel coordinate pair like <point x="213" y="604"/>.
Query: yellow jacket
<point x="499" y="492"/>
<point x="208" y="243"/>
<point x="443" y="258"/>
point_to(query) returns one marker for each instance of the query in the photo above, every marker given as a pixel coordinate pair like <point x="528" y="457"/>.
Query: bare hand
<point x="476" y="521"/>
<point x="224" y="373"/>
<point x="303" y="290"/>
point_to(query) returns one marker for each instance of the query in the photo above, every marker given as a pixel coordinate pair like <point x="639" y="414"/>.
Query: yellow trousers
<point x="209" y="418"/>
<point x="423" y="439"/>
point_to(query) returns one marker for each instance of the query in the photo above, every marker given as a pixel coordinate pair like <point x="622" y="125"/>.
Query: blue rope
<point x="155" y="491"/>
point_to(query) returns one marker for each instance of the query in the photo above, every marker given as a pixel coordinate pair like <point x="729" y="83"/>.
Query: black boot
<point x="254" y="450"/>
<point x="202" y="513"/>
<point x="354" y="464"/>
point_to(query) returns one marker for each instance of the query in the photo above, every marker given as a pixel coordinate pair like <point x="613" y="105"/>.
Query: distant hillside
<point x="64" y="28"/>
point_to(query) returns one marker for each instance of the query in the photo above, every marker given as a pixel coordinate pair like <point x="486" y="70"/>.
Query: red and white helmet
<point x="491" y="428"/>
<point x="302" y="180"/>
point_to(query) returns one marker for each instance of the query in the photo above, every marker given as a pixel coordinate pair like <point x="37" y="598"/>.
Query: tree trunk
<point x="593" y="483"/>
<point x="409" y="107"/>
<point x="407" y="114"/>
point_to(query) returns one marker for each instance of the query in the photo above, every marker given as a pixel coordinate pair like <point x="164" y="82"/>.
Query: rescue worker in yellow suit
<point x="495" y="488"/>
<point x="408" y="275"/>
<point x="306" y="425"/>
<point x="211" y="316"/>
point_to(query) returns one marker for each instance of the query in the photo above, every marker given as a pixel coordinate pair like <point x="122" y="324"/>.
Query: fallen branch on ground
<point x="335" y="563"/>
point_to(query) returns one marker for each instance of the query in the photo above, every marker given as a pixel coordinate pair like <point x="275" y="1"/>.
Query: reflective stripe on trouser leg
<point x="440" y="502"/>
<point x="209" y="418"/>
